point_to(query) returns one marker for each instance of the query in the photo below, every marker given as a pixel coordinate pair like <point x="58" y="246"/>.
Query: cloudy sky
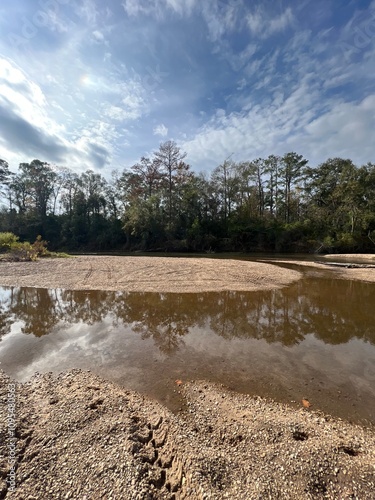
<point x="99" y="83"/>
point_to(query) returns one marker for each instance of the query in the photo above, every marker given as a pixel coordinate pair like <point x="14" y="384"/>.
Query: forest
<point x="160" y="204"/>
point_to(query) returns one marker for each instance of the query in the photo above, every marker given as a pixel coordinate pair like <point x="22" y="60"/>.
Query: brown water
<point x="314" y="339"/>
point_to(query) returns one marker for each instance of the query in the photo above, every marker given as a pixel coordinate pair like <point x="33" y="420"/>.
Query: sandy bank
<point x="368" y="257"/>
<point x="358" y="274"/>
<point x="81" y="437"/>
<point x="146" y="274"/>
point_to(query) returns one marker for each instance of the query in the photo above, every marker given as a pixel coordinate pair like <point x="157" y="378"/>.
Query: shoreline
<point x="82" y="436"/>
<point x="146" y="274"/>
<point x="170" y="274"/>
<point x="366" y="274"/>
<point x="356" y="256"/>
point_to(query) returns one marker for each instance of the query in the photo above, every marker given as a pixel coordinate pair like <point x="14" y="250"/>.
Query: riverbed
<point x="311" y="338"/>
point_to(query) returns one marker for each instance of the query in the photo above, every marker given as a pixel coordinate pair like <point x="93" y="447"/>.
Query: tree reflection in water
<point x="333" y="310"/>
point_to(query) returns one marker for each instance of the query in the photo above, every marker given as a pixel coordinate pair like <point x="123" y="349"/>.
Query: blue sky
<point x="99" y="83"/>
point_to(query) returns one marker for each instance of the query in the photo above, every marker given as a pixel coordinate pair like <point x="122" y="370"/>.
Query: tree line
<point x="273" y="204"/>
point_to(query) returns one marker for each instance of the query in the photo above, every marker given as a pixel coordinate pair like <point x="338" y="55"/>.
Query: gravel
<point x="81" y="437"/>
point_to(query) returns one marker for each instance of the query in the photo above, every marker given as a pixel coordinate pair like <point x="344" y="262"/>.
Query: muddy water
<point x="314" y="339"/>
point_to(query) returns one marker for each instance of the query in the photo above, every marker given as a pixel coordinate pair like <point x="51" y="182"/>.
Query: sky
<point x="96" y="84"/>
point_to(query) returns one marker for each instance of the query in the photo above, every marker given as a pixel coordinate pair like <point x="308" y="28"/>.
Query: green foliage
<point x="59" y="255"/>
<point x="7" y="240"/>
<point x="4" y="172"/>
<point x="346" y="241"/>
<point x="159" y="204"/>
<point x="25" y="251"/>
<point x="40" y="247"/>
<point x="22" y="252"/>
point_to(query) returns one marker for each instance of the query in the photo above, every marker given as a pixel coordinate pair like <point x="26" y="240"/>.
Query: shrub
<point x="7" y="240"/>
<point x="16" y="251"/>
<point x="40" y="247"/>
<point x="22" y="252"/>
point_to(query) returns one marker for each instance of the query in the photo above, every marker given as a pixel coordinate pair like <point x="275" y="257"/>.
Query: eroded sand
<point x="146" y="274"/>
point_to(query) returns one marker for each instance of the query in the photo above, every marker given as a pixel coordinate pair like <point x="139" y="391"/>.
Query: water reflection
<point x="315" y="338"/>
<point x="335" y="311"/>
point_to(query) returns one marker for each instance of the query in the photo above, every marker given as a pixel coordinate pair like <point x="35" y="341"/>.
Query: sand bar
<point x="146" y="274"/>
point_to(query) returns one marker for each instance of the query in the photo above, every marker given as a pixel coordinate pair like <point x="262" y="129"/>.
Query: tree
<point x="335" y="200"/>
<point x="18" y="194"/>
<point x="5" y="179"/>
<point x="144" y="221"/>
<point x="273" y="164"/>
<point x="4" y="172"/>
<point x="70" y="185"/>
<point x="226" y="183"/>
<point x="258" y="169"/>
<point x="292" y="171"/>
<point x="366" y="180"/>
<point x="149" y="174"/>
<point x="38" y="179"/>
<point x="169" y="159"/>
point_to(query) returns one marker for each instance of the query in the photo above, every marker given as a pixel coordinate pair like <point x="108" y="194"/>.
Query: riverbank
<point x="368" y="257"/>
<point x="146" y="274"/>
<point x="170" y="274"/>
<point x="358" y="274"/>
<point x="79" y="436"/>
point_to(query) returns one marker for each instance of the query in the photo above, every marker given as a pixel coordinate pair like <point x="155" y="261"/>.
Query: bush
<point x="40" y="247"/>
<point x="16" y="251"/>
<point x="22" y="252"/>
<point x="7" y="240"/>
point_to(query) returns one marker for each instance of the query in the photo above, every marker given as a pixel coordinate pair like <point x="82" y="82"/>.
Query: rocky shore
<point x="80" y="437"/>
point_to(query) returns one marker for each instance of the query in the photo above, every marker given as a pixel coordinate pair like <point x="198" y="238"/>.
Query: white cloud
<point x="30" y="131"/>
<point x="158" y="7"/>
<point x="115" y="113"/>
<point x="243" y="58"/>
<point x="346" y="130"/>
<point x="295" y="94"/>
<point x="87" y="10"/>
<point x="129" y="100"/>
<point x="294" y="123"/>
<point x="25" y="98"/>
<point x="98" y="36"/>
<point x="136" y="7"/>
<point x="280" y="23"/>
<point x="181" y="6"/>
<point x="221" y="18"/>
<point x="262" y="25"/>
<point x="57" y="22"/>
<point x="161" y="130"/>
<point x="133" y="99"/>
